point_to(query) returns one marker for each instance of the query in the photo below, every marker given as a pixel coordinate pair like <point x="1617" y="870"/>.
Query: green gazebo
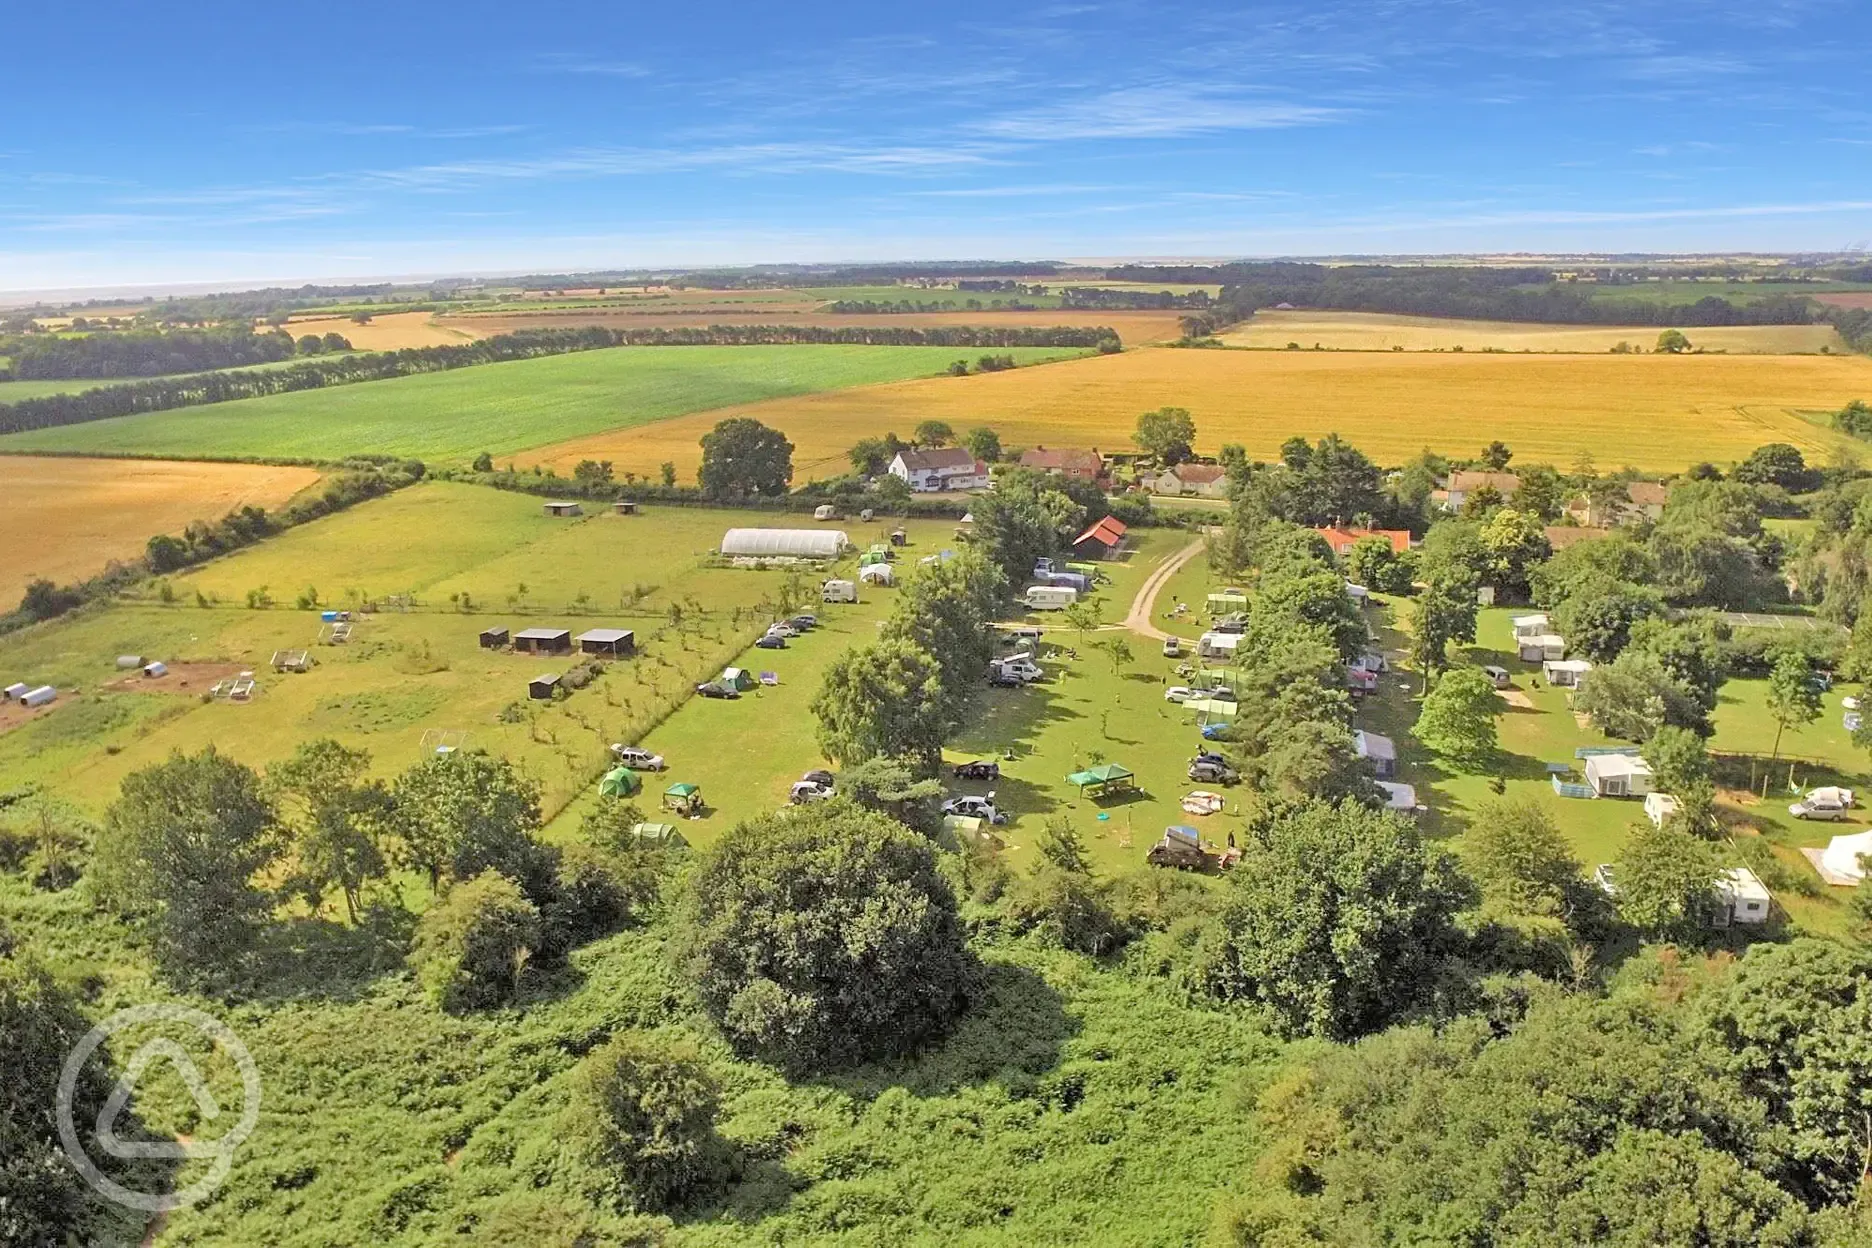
<point x="684" y="799"/>
<point x="1104" y="780"/>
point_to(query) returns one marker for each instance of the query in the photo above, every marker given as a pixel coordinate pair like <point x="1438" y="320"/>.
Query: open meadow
<point x="462" y="558"/>
<point x="450" y="417"/>
<point x="1659" y="413"/>
<point x="1133" y="328"/>
<point x="70" y="516"/>
<point x="1383" y="331"/>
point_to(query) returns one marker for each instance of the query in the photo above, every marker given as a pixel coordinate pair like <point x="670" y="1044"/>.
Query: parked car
<point x="1179" y="693"/>
<point x="1210" y="756"/>
<point x="1014" y="636"/>
<point x="805" y="621"/>
<point x="1824" y="803"/>
<point x="772" y="641"/>
<point x="1207" y="772"/>
<point x="1172" y="647"/>
<point x="980" y="769"/>
<point x="804" y="791"/>
<point x="782" y="628"/>
<point x="715" y="689"/>
<point x="635" y="757"/>
<point x="972" y="807"/>
<point x="818" y="776"/>
<point x="1001" y="680"/>
<point x="1498" y="675"/>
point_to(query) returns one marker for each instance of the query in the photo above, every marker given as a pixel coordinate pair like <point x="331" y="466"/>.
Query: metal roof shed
<point x="612" y="641"/>
<point x="557" y="508"/>
<point x="542" y="688"/>
<point x="539" y="640"/>
<point x="494" y="638"/>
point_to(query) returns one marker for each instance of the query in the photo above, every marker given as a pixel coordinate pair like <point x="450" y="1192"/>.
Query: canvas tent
<point x="1224" y="602"/>
<point x="658" y="836"/>
<point x="1842" y="854"/>
<point x="794" y="543"/>
<point x="1211" y="708"/>
<point x="876" y="574"/>
<point x="1103" y="780"/>
<point x="620" y="782"/>
<point x="737" y="678"/>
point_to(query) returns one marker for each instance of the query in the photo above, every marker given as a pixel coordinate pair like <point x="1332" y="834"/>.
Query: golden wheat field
<point x="67" y="518"/>
<point x="1658" y="413"/>
<point x="391" y="332"/>
<point x="1378" y="331"/>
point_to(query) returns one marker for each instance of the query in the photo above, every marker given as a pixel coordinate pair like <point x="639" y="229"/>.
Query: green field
<point x="15" y="391"/>
<point x="450" y="417"/>
<point x="936" y="297"/>
<point x="1682" y="291"/>
<point x="408" y="672"/>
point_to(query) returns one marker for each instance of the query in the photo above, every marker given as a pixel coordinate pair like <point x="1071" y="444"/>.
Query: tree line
<point x="165" y="394"/>
<point x="142" y="353"/>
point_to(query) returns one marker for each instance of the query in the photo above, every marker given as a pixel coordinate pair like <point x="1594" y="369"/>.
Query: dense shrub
<point x="824" y="938"/>
<point x="643" y="1115"/>
<point x="472" y="944"/>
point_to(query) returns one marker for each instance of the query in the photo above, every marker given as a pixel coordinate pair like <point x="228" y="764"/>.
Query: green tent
<point x="658" y="836"/>
<point x="872" y="556"/>
<point x="620" y="782"/>
<point x="1103" y="779"/>
<point x="1213" y="708"/>
<point x="1228" y="602"/>
<point x="738" y="678"/>
<point x="682" y="797"/>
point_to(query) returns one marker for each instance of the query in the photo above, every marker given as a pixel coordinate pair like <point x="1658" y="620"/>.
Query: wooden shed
<point x="612" y="641"/>
<point x="543" y="640"/>
<point x="564" y="509"/>
<point x="494" y="638"/>
<point x="542" y="688"/>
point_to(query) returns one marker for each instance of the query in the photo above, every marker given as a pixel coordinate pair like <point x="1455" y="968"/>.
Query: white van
<point x="1050" y="597"/>
<point x="838" y="591"/>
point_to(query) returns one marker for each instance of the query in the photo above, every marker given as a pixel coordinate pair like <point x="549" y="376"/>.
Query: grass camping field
<point x="75" y="515"/>
<point x="1652" y="412"/>
<point x="466" y="558"/>
<point x="1380" y="331"/>
<point x="502" y="408"/>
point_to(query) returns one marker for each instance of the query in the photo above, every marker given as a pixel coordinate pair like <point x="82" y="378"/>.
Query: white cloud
<point x="1155" y="112"/>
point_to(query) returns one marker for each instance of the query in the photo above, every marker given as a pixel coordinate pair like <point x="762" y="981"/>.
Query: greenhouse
<point x="793" y="543"/>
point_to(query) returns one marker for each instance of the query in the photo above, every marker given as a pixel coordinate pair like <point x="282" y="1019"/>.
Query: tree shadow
<point x="315" y="958"/>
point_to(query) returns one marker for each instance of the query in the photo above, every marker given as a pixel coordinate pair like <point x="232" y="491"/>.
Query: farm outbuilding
<point x="155" y="669"/>
<point x="543" y="640"/>
<point x="563" y="509"/>
<point x="1618" y="775"/>
<point x="495" y="638"/>
<point x="789" y="543"/>
<point x="612" y="641"/>
<point x="542" y="688"/>
<point x="15" y="691"/>
<point x="129" y="662"/>
<point x="624" y="508"/>
<point x="38" y="697"/>
<point x="1102" y="540"/>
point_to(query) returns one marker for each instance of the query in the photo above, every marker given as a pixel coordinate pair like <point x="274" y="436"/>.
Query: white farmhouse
<point x="944" y="468"/>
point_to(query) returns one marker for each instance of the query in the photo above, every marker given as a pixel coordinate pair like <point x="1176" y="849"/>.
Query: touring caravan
<point x="838" y="591"/>
<point x="1050" y="597"/>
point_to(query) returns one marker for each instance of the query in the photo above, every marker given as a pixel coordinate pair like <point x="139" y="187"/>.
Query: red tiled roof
<point x="1341" y="539"/>
<point x="1109" y="532"/>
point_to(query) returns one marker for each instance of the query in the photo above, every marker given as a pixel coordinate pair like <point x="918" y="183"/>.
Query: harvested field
<point x="385" y="333"/>
<point x="1850" y="299"/>
<point x="1653" y="412"/>
<point x="1134" y="328"/>
<point x="1378" y="331"/>
<point x="86" y="512"/>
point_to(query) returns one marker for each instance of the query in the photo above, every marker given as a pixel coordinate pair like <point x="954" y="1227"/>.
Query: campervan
<point x="1050" y="597"/>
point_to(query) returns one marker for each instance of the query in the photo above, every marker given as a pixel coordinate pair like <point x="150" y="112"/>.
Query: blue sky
<point x="207" y="141"/>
